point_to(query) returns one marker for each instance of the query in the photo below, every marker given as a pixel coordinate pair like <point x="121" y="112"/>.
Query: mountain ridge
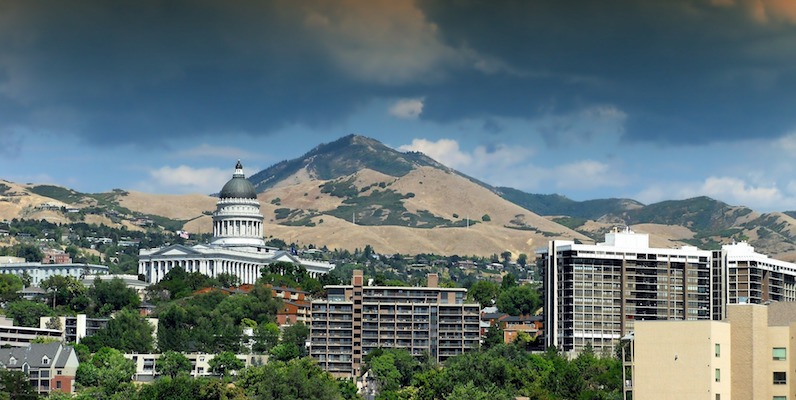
<point x="356" y="191"/>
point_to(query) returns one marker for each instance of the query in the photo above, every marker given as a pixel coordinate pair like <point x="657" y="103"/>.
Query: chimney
<point x="433" y="280"/>
<point x="357" y="278"/>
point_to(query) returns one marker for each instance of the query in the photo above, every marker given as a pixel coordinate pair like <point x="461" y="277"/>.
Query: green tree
<point x="27" y="312"/>
<point x="110" y="296"/>
<point x="108" y="371"/>
<point x="484" y="292"/>
<point x="469" y="391"/>
<point x="14" y="385"/>
<point x="297" y="379"/>
<point x="172" y="363"/>
<point x="225" y="363"/>
<point x="26" y="279"/>
<point x="522" y="260"/>
<point x="509" y="281"/>
<point x="64" y="288"/>
<point x="297" y="334"/>
<point x="519" y="300"/>
<point x="506" y="256"/>
<point x="126" y="331"/>
<point x="9" y="286"/>
<point x="493" y="336"/>
<point x="266" y="336"/>
<point x="385" y="372"/>
<point x="285" y="352"/>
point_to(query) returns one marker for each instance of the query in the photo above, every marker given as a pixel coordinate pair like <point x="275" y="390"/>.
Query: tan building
<point x="748" y="356"/>
<point x="356" y="319"/>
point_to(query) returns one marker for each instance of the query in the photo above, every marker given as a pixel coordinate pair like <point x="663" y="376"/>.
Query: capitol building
<point x="237" y="247"/>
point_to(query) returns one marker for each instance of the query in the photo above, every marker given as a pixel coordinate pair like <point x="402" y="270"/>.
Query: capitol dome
<point x="238" y="187"/>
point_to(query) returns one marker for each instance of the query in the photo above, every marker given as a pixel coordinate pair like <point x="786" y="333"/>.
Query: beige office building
<point x="357" y="318"/>
<point x="749" y="356"/>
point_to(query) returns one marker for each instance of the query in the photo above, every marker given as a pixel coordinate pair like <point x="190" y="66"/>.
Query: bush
<point x="486" y="218"/>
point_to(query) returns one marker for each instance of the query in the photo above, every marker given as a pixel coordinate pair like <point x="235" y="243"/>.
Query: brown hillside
<point x="183" y="206"/>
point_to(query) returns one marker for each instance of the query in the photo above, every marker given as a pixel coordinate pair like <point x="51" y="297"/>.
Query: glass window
<point x="718" y="350"/>
<point x="780" y="378"/>
<point x="718" y="375"/>
<point x="780" y="397"/>
<point x="779" y="353"/>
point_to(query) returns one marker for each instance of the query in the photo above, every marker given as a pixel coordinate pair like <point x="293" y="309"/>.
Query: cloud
<point x="512" y="165"/>
<point x="115" y="73"/>
<point x="731" y="190"/>
<point x="587" y="174"/>
<point x="445" y="151"/>
<point x="763" y="11"/>
<point x="382" y="41"/>
<point x="407" y="108"/>
<point x="225" y="152"/>
<point x="185" y="179"/>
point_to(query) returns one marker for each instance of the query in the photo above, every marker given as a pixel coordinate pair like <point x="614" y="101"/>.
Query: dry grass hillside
<point x="183" y="207"/>
<point x="436" y="191"/>
<point x="441" y="193"/>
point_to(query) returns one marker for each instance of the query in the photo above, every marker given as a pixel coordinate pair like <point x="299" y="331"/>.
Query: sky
<point x="649" y="100"/>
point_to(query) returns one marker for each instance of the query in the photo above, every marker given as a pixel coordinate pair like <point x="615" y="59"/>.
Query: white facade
<point x="22" y="336"/>
<point x="146" y="364"/>
<point x="237" y="247"/>
<point x="595" y="293"/>
<point x="751" y="277"/>
<point x="39" y="272"/>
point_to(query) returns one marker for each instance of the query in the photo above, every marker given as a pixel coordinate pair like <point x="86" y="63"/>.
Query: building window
<point x="718" y="350"/>
<point x="779" y="353"/>
<point x="718" y="375"/>
<point x="780" y="378"/>
<point x="57" y="384"/>
<point x="780" y="398"/>
<point x="718" y="396"/>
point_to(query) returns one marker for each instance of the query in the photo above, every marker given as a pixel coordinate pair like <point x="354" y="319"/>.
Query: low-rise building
<point x="749" y="355"/>
<point x="146" y="364"/>
<point x="49" y="366"/>
<point x="39" y="272"/>
<point x="23" y="336"/>
<point x="76" y="327"/>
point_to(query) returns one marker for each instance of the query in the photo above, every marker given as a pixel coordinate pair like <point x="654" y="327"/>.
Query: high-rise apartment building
<point x="741" y="275"/>
<point x="357" y="318"/>
<point x="595" y="293"/>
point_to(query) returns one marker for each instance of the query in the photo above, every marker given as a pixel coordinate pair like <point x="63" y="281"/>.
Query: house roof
<point x="56" y="354"/>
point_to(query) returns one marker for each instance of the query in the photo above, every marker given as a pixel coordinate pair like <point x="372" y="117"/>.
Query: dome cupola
<point x="238" y="187"/>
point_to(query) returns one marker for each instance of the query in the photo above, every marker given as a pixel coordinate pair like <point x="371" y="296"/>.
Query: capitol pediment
<point x="176" y="250"/>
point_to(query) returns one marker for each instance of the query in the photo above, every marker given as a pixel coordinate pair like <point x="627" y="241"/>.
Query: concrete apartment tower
<point x="357" y="318"/>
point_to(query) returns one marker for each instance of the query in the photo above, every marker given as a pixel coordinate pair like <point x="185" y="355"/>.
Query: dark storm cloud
<point x="681" y="71"/>
<point x="132" y="71"/>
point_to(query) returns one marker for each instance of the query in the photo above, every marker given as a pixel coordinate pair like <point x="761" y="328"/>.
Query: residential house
<point x="49" y="366"/>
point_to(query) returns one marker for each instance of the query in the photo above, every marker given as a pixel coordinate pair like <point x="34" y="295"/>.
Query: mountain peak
<point x="343" y="157"/>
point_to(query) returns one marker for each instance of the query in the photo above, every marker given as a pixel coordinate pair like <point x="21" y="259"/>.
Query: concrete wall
<point x="677" y="360"/>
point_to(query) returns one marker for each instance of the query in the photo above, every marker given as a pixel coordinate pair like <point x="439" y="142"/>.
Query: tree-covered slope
<point x="556" y="204"/>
